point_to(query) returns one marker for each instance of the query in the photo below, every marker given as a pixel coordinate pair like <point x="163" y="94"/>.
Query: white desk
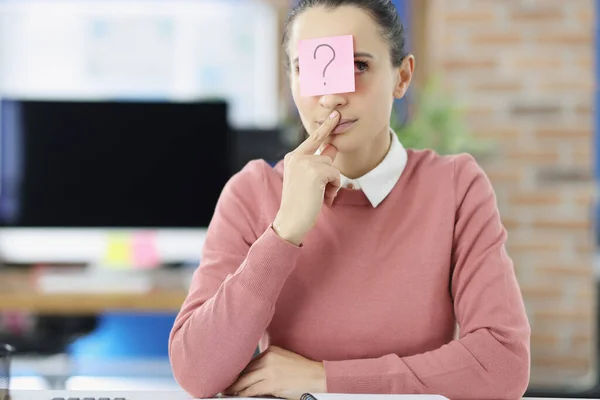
<point x="52" y="394"/>
<point x="169" y="395"/>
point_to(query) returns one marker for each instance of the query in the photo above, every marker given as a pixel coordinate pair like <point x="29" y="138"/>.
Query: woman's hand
<point x="308" y="180"/>
<point x="281" y="373"/>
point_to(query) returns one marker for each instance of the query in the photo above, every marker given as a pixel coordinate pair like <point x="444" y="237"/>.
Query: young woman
<point x="352" y="261"/>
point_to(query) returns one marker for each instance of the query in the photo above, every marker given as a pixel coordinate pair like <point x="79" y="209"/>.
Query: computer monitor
<point x="73" y="173"/>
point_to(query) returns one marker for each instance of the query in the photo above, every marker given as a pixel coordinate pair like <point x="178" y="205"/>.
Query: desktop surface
<point x="18" y="292"/>
<point x="103" y="395"/>
<point x="120" y="395"/>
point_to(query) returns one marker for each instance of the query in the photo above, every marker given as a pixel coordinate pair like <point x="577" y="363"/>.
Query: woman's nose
<point x="332" y="101"/>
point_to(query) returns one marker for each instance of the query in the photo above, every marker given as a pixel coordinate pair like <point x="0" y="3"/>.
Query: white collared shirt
<point x="379" y="182"/>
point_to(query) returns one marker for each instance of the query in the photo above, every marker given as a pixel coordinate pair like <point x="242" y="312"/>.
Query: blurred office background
<point x="161" y="102"/>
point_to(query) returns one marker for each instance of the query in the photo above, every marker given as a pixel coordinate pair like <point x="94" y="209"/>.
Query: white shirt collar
<point x="379" y="182"/>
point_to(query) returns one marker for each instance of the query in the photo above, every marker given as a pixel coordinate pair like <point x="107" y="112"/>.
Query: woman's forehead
<point x="318" y="22"/>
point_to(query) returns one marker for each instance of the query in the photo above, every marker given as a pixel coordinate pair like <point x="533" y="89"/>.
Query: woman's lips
<point x="343" y="126"/>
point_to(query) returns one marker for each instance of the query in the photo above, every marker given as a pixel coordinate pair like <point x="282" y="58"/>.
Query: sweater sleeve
<point x="490" y="359"/>
<point x="233" y="292"/>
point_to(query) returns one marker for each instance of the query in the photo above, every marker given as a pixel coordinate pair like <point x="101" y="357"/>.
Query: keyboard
<point x="88" y="398"/>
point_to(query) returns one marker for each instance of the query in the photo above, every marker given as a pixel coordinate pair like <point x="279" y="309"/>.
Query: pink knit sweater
<point x="374" y="293"/>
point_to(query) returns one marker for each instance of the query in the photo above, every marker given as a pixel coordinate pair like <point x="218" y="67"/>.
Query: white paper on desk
<point x="338" y="396"/>
<point x="240" y="398"/>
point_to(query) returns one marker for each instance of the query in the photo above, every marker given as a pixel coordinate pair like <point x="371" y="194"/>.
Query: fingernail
<point x="333" y="115"/>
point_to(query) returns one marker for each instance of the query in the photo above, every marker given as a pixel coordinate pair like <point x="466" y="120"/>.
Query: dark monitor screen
<point x="112" y="164"/>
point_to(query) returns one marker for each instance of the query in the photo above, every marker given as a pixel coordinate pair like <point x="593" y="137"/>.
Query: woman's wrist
<point x="321" y="378"/>
<point x="287" y="234"/>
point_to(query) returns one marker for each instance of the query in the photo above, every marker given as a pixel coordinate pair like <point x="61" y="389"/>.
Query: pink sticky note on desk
<point x="145" y="251"/>
<point x="326" y="65"/>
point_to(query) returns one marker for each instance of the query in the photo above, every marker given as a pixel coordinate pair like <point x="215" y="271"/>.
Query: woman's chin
<point x="344" y="142"/>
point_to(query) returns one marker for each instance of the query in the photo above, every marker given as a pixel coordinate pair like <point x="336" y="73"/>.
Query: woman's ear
<point x="404" y="76"/>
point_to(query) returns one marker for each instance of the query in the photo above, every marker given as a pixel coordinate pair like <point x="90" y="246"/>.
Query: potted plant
<point x="435" y="122"/>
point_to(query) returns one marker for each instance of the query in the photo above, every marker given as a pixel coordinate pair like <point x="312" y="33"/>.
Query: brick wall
<point x="524" y="72"/>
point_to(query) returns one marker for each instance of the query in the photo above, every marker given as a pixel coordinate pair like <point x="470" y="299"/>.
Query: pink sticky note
<point x="326" y="65"/>
<point x="144" y="249"/>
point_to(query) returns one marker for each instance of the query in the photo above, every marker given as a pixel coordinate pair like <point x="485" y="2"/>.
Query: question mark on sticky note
<point x="318" y="74"/>
<point x="330" y="61"/>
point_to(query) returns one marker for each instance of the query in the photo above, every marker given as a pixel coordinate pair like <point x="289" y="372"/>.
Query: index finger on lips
<point x="312" y="143"/>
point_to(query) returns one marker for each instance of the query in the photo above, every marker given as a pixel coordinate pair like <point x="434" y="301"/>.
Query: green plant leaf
<point x="436" y="122"/>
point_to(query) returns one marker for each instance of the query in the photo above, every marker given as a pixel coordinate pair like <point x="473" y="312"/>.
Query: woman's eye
<point x="360" y="66"/>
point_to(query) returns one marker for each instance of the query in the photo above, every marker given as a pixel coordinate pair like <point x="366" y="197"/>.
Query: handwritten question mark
<point x="330" y="61"/>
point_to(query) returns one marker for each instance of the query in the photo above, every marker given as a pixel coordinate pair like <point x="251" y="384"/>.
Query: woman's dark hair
<point x="383" y="12"/>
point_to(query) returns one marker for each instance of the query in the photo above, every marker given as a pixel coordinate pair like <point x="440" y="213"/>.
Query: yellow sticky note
<point x="118" y="251"/>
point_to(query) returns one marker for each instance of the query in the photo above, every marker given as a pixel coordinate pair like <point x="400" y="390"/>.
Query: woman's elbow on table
<point x="519" y="378"/>
<point x="198" y="377"/>
<point x="511" y="379"/>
